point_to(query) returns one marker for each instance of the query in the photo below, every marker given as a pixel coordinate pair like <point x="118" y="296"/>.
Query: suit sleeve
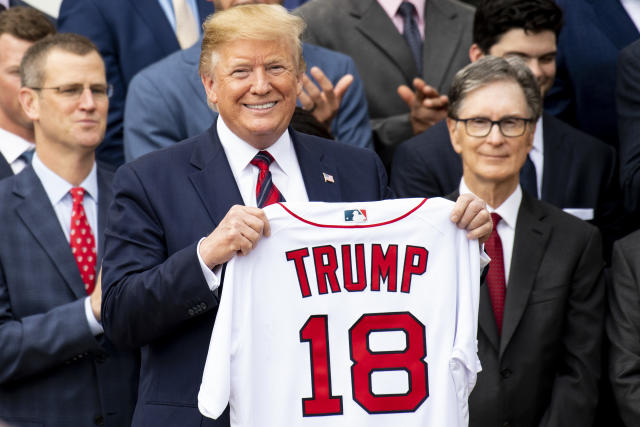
<point x="623" y="330"/>
<point x="83" y="17"/>
<point x="35" y="343"/>
<point x="147" y="293"/>
<point x="351" y="124"/>
<point x="411" y="176"/>
<point x="575" y="391"/>
<point x="149" y="119"/>
<point x="628" y="106"/>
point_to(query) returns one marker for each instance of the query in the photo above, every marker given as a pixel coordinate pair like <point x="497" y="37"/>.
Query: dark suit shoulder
<point x="629" y="244"/>
<point x="584" y="143"/>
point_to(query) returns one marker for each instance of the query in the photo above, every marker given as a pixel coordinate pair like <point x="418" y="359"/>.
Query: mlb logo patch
<point x="355" y="215"/>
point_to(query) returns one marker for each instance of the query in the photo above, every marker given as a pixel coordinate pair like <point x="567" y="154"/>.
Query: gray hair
<point x="491" y="69"/>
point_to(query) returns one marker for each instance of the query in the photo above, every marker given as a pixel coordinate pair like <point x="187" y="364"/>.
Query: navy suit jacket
<point x="130" y="35"/>
<point x="628" y="104"/>
<point x="5" y="168"/>
<point x="155" y="295"/>
<point x="578" y="172"/>
<point x="53" y="371"/>
<point x="167" y="103"/>
<point x="543" y="369"/>
<point x="583" y="94"/>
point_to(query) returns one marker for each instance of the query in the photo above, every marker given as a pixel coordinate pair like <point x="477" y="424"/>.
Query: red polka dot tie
<point x="495" y="276"/>
<point x="266" y="191"/>
<point x="83" y="245"/>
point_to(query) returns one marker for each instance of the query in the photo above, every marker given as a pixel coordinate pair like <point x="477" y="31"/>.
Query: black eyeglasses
<point x="74" y="91"/>
<point x="509" y="126"/>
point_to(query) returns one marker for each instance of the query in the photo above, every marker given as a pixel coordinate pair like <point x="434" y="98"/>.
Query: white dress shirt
<point x="11" y="147"/>
<point x="537" y="155"/>
<point x="508" y="211"/>
<point x="633" y="10"/>
<point x="285" y="173"/>
<point x="57" y="190"/>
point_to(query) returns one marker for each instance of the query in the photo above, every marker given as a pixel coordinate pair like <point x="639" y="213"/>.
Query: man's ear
<point x="30" y="103"/>
<point x="208" y="83"/>
<point x="452" y="125"/>
<point x="475" y="53"/>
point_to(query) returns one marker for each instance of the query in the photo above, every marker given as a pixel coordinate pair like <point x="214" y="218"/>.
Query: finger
<point x="439" y="102"/>
<point x="324" y="83"/>
<point x="342" y="86"/>
<point x="474" y="209"/>
<point x="311" y="88"/>
<point x="460" y="206"/>
<point x="407" y="95"/>
<point x="481" y="233"/>
<point x="305" y="100"/>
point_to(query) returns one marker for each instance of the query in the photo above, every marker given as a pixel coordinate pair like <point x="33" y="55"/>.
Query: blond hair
<point x="250" y="22"/>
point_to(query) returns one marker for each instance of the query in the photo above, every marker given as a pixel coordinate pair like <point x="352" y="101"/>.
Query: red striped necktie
<point x="495" y="276"/>
<point x="266" y="191"/>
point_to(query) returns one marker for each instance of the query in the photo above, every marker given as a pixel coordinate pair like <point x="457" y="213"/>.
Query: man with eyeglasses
<point x="20" y="27"/>
<point x="566" y="167"/>
<point x="56" y="366"/>
<point x="542" y="306"/>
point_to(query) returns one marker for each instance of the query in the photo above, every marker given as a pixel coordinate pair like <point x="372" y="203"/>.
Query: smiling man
<point x="180" y="214"/>
<point x="541" y="310"/>
<point x="566" y="167"/>
<point x="56" y="366"/>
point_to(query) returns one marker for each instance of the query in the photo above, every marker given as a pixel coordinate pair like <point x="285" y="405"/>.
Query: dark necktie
<point x="266" y="191"/>
<point x="83" y="245"/>
<point x="412" y="33"/>
<point x="528" y="177"/>
<point x="495" y="276"/>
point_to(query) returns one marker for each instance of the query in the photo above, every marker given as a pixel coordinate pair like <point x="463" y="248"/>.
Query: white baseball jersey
<point x="349" y="314"/>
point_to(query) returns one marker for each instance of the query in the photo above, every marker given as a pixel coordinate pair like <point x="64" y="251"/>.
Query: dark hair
<point x="34" y="59"/>
<point x="25" y="23"/>
<point x="490" y="69"/>
<point x="493" y="18"/>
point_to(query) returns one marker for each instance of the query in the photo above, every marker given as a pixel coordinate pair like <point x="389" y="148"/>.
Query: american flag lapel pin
<point x="327" y="177"/>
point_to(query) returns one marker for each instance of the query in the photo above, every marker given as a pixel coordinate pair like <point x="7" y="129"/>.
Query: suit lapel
<point x="442" y="37"/>
<point x="615" y="22"/>
<point x="157" y="23"/>
<point x="374" y="23"/>
<point x="530" y="241"/>
<point x="5" y="168"/>
<point x="555" y="168"/>
<point x="315" y="166"/>
<point x="213" y="179"/>
<point x="105" y="196"/>
<point x="40" y="219"/>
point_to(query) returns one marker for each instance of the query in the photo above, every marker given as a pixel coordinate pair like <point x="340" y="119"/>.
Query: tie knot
<point x="262" y="160"/>
<point x="27" y="155"/>
<point x="406" y="9"/>
<point x="495" y="218"/>
<point x="77" y="195"/>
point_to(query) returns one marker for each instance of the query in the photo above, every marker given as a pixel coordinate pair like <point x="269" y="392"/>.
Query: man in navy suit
<point x="130" y="36"/>
<point x="593" y="35"/>
<point x="56" y="366"/>
<point x="568" y="168"/>
<point x="20" y="27"/>
<point x="180" y="213"/>
<point x="166" y="102"/>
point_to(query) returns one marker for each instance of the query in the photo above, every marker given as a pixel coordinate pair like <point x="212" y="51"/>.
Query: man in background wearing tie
<point x="131" y="35"/>
<point x="56" y="366"/>
<point x="20" y="27"/>
<point x="181" y="213"/>
<point x="542" y="307"/>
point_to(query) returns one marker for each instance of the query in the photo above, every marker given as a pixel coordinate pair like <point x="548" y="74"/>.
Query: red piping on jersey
<point x="315" y="224"/>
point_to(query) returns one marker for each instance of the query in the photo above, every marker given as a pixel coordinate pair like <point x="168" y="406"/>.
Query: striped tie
<point x="266" y="191"/>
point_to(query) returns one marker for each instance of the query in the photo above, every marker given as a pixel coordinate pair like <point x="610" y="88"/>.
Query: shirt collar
<point x="391" y="7"/>
<point x="537" y="138"/>
<point x="57" y="188"/>
<point x="240" y="153"/>
<point x="12" y="146"/>
<point x="508" y="210"/>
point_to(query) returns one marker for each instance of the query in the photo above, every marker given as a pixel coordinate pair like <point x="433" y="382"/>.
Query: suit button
<point x="98" y="420"/>
<point x="505" y="373"/>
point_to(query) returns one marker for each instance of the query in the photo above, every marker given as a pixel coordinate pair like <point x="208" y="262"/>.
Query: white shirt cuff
<point x="212" y="277"/>
<point x="94" y="325"/>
